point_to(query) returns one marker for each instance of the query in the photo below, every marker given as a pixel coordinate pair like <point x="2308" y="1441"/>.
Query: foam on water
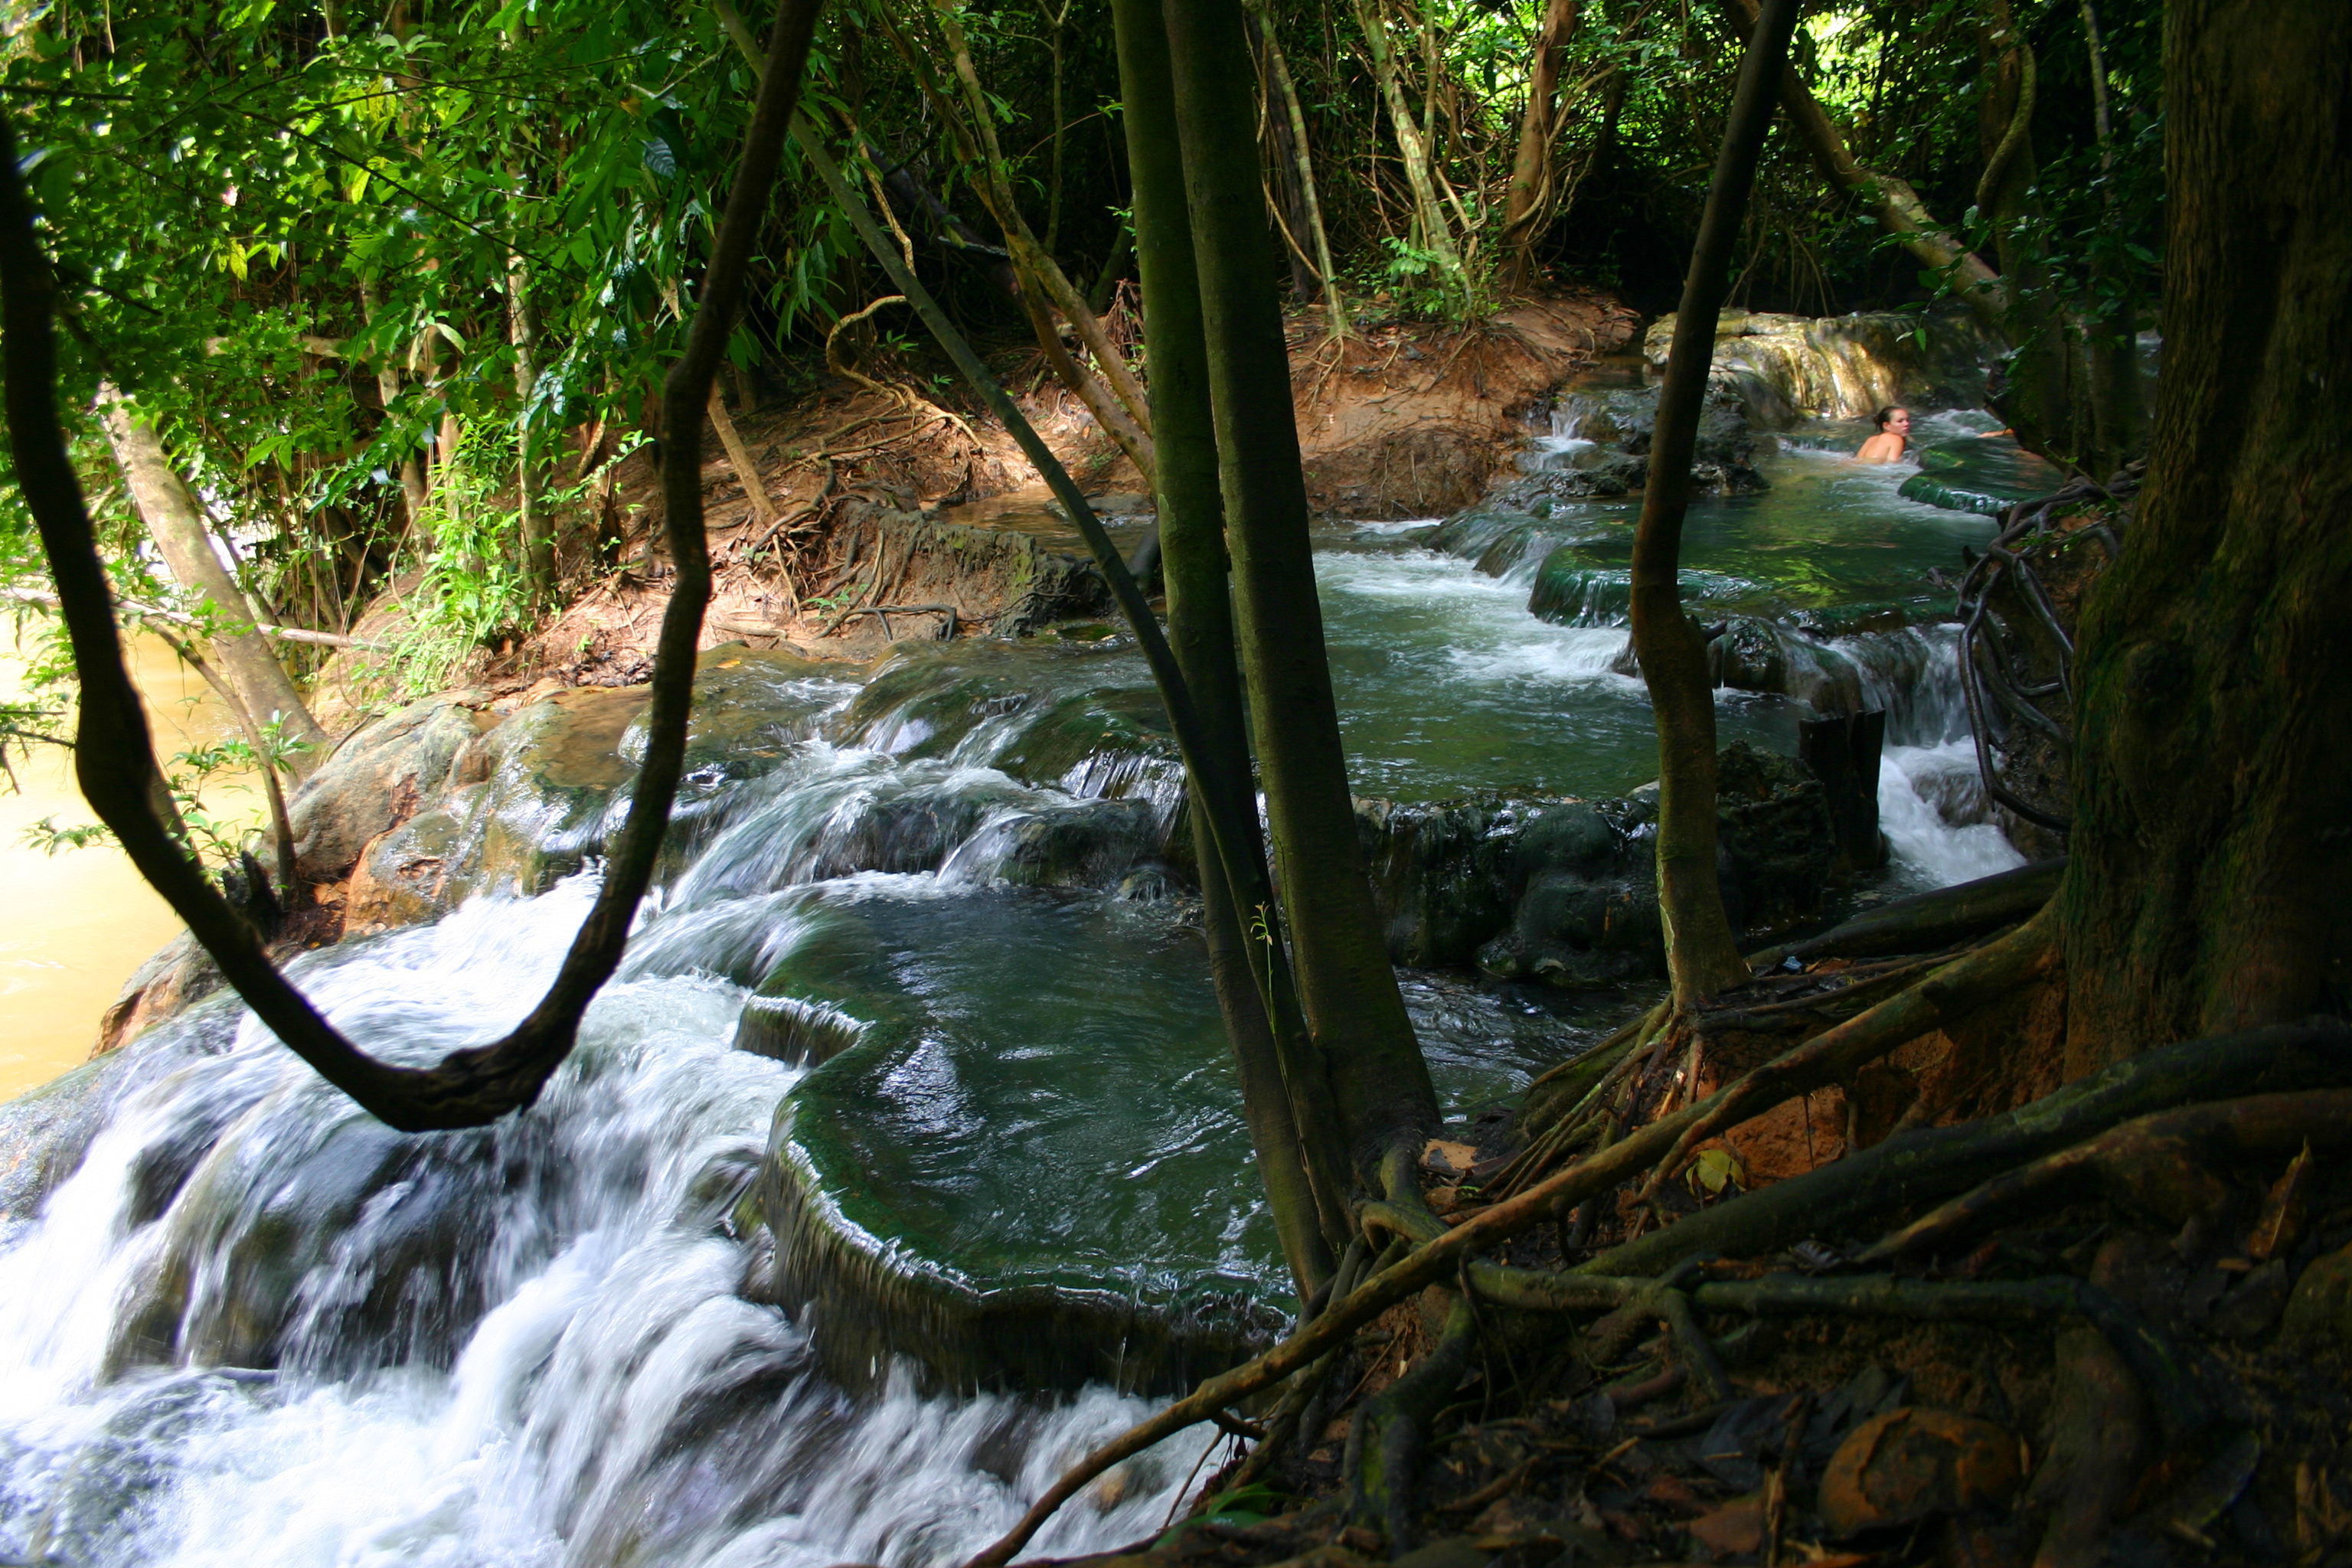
<point x="606" y="1396"/>
<point x="255" y="1327"/>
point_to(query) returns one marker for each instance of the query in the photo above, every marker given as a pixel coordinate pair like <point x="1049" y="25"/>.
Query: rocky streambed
<point x="910" y="1097"/>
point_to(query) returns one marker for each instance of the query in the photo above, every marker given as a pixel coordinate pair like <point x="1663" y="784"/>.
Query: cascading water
<point x="257" y="1327"/>
<point x="252" y="1325"/>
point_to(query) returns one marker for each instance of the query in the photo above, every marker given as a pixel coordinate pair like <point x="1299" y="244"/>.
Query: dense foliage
<point x="317" y="246"/>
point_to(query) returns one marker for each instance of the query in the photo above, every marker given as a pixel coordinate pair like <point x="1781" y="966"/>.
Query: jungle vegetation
<point x="378" y="298"/>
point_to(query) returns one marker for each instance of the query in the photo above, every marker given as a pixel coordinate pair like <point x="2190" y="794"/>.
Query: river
<point x="77" y="922"/>
<point x="252" y="1325"/>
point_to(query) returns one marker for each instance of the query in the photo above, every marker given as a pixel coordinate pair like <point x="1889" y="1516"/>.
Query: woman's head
<point x="1895" y="418"/>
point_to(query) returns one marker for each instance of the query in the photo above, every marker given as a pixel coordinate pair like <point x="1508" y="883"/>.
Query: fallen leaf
<point x="1913" y="1463"/>
<point x="1447" y="1159"/>
<point x="1735" y="1529"/>
<point x="2280" y="1224"/>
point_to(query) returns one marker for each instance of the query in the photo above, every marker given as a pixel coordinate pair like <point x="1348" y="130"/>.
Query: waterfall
<point x="524" y="1344"/>
<point x="244" y="1322"/>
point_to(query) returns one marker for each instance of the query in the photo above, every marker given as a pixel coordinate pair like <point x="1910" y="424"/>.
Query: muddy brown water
<point x="73" y="925"/>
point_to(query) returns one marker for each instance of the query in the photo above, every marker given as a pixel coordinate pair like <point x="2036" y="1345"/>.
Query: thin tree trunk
<point x="1350" y="992"/>
<point x="1201" y="631"/>
<point x="114" y="752"/>
<point x="185" y="538"/>
<point x="1436" y="234"/>
<point x="739" y="457"/>
<point x="1893" y="202"/>
<point x="1054" y="161"/>
<point x="522" y="332"/>
<point x="1033" y="273"/>
<point x="281" y="826"/>
<point x="1702" y="953"/>
<point x="1289" y="202"/>
<point x="1529" y="200"/>
<point x="412" y="471"/>
<point x="2209" y="860"/>
<point x="1294" y="114"/>
<point x="1034" y="261"/>
<point x="2117" y="392"/>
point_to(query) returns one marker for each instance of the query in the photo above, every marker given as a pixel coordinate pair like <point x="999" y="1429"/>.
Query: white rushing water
<point x="522" y="1346"/>
<point x="255" y="1327"/>
<point x="1467" y="644"/>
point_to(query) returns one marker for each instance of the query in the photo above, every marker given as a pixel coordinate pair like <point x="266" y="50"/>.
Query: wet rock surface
<point x="1783" y="368"/>
<point x="1565" y="893"/>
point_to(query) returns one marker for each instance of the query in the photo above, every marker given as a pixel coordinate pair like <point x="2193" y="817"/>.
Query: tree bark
<point x="1200" y="630"/>
<point x="1412" y="148"/>
<point x="1529" y="198"/>
<point x="1293" y="114"/>
<point x="522" y="334"/>
<point x="185" y="538"/>
<point x="1348" y="989"/>
<point x="1702" y="953"/>
<point x="2211" y="857"/>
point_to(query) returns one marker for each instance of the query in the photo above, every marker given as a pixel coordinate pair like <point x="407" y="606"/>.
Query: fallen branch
<point x="157" y="613"/>
<point x="884" y="611"/>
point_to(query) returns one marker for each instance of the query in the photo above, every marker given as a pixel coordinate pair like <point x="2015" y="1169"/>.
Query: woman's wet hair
<point x="1883" y="415"/>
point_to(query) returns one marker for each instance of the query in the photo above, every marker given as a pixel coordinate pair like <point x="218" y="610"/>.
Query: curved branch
<point x="115" y="758"/>
<point x="2021" y="120"/>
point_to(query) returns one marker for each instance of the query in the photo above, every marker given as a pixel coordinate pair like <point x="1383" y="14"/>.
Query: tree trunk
<point x="1348" y="989"/>
<point x="537" y="535"/>
<point x="411" y="470"/>
<point x="1201" y="629"/>
<point x="1529" y="200"/>
<point x="1282" y="143"/>
<point x="1412" y="149"/>
<point x="2211" y="857"/>
<point x="1285" y="96"/>
<point x="739" y="457"/>
<point x="1039" y="269"/>
<point x="1893" y="202"/>
<point x="1702" y="953"/>
<point x="185" y="542"/>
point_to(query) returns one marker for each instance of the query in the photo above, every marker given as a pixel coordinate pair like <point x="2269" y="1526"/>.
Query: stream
<point x="254" y="1326"/>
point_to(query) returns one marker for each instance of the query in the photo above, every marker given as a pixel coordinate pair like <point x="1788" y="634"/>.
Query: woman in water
<point x="1894" y="436"/>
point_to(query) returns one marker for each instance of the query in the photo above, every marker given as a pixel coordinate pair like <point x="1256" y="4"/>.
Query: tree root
<point x="1896" y="1174"/>
<point x="1989" y="974"/>
<point x="1925" y="921"/>
<point x="1922" y="1167"/>
<point x="2140" y="1164"/>
<point x="1384" y="1446"/>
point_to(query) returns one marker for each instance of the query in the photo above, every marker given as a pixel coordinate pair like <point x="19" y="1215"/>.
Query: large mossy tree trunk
<point x="1349" y="993"/>
<point x="2213" y="842"/>
<point x="1201" y="629"/>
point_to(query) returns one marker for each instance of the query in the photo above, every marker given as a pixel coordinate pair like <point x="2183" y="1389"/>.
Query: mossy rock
<point x="45" y="1131"/>
<point x="1016" y="1162"/>
<point x="1932" y="490"/>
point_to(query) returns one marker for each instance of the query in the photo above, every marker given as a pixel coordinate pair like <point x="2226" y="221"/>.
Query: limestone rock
<point x="1839" y="367"/>
<point x="375" y="782"/>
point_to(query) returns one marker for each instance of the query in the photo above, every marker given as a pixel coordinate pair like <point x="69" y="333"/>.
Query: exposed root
<point x="2129" y="1127"/>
